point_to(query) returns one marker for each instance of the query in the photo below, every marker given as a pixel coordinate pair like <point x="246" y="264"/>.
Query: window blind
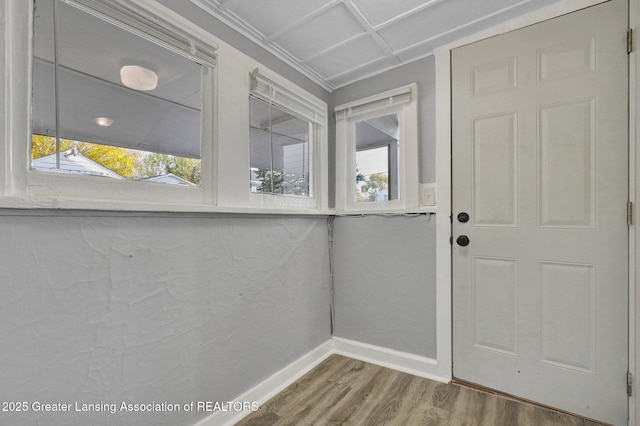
<point x="265" y="88"/>
<point x="402" y="95"/>
<point x="165" y="35"/>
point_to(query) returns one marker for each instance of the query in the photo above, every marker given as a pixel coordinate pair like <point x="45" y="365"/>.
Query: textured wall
<point x="97" y="308"/>
<point x="384" y="280"/>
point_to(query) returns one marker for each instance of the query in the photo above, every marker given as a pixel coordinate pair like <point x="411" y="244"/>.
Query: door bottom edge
<point x="491" y="391"/>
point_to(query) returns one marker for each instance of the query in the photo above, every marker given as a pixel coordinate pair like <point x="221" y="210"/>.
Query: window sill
<point x="385" y="212"/>
<point x="13" y="202"/>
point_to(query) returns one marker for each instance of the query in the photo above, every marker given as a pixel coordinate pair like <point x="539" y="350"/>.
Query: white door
<point x="540" y="167"/>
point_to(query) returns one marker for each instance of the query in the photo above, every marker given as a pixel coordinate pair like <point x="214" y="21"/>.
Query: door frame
<point x="444" y="328"/>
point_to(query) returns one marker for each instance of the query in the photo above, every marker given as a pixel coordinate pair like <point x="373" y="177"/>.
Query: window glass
<point x="377" y="153"/>
<point x="279" y="150"/>
<point x="108" y="102"/>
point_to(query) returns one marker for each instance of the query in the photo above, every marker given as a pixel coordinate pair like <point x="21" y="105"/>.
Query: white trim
<point x="366" y="104"/>
<point x="152" y="9"/>
<point x="401" y="101"/>
<point x="443" y="178"/>
<point x="396" y="360"/>
<point x="262" y="392"/>
<point x="443" y="211"/>
<point x="531" y="18"/>
<point x="270" y="387"/>
<point x="267" y="87"/>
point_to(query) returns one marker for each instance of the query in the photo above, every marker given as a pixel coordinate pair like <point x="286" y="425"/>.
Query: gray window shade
<point x="263" y="87"/>
<point x="171" y="38"/>
<point x="92" y="48"/>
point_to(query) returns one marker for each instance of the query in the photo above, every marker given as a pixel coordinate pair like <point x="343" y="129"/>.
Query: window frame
<point x="26" y="187"/>
<point x="267" y="87"/>
<point x="224" y="186"/>
<point x="401" y="101"/>
<point x="310" y="145"/>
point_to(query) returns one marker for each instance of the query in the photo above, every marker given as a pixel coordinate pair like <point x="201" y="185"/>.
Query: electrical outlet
<point x="428" y="194"/>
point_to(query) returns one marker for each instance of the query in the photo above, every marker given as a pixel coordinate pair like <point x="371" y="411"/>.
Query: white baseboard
<point x="270" y="387"/>
<point x="401" y="361"/>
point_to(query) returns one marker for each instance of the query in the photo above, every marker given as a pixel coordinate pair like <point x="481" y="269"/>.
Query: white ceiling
<point x="337" y="42"/>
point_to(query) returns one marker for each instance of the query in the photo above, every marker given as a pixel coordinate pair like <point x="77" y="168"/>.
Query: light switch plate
<point x="428" y="194"/>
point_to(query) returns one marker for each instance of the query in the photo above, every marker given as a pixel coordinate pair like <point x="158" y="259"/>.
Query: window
<point x="377" y="149"/>
<point x="118" y="98"/>
<point x="279" y="150"/>
<point x="113" y="105"/>
<point x="377" y="152"/>
<point x="283" y="126"/>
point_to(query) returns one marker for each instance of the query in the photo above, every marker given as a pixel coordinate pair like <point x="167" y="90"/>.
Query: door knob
<point x="462" y="240"/>
<point x="463" y="217"/>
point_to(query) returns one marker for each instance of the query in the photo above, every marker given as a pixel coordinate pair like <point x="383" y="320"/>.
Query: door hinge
<point x="629" y="213"/>
<point x="629" y="40"/>
<point x="629" y="383"/>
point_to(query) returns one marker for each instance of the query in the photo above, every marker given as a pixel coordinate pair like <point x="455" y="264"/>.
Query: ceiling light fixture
<point x="138" y="78"/>
<point x="103" y="121"/>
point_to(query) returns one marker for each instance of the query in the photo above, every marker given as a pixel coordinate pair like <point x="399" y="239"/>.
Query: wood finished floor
<point x="344" y="391"/>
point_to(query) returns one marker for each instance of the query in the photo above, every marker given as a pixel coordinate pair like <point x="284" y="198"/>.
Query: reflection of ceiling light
<point x="138" y="78"/>
<point x="103" y="121"/>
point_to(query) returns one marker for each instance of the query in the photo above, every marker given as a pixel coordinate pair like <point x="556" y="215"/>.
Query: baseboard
<point x="402" y="361"/>
<point x="270" y="387"/>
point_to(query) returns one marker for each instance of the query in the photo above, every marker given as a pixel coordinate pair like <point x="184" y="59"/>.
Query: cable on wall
<point x="331" y="289"/>
<point x="354" y="215"/>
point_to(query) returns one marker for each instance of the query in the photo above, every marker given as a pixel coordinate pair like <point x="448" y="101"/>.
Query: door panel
<point x="495" y="170"/>
<point x="540" y="164"/>
<point x="567" y="143"/>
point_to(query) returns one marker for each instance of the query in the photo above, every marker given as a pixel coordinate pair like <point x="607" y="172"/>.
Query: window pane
<point x="260" y="146"/>
<point x="377" y="159"/>
<point x="91" y="159"/>
<point x="290" y="146"/>
<point x="118" y="90"/>
<point x="279" y="151"/>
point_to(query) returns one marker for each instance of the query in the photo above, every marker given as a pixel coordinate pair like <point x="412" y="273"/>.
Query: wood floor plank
<point x="347" y="392"/>
<point x="311" y="384"/>
<point x="388" y="409"/>
<point x="417" y="411"/>
<point x="468" y="408"/>
<point x="444" y="396"/>
<point x="365" y="398"/>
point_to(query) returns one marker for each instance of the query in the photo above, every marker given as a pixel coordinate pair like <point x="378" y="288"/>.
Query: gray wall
<point x="100" y="307"/>
<point x="421" y="72"/>
<point x="384" y="267"/>
<point x="384" y="279"/>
